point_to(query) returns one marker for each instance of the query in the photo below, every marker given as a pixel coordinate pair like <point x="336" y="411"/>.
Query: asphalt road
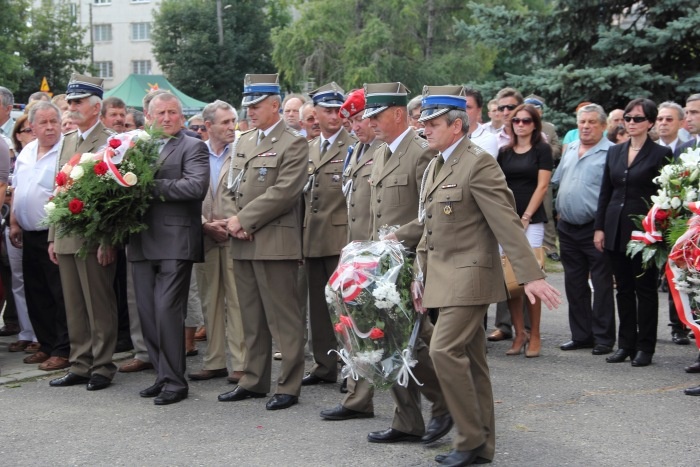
<point x="562" y="409"/>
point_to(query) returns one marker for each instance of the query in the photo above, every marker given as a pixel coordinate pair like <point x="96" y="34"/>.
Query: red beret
<point x="353" y="104"/>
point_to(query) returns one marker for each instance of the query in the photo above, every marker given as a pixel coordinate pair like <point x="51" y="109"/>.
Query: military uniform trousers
<point x="458" y="350"/>
<point x="319" y="270"/>
<point x="162" y="289"/>
<point x="268" y="296"/>
<point x="222" y="315"/>
<point x="91" y="313"/>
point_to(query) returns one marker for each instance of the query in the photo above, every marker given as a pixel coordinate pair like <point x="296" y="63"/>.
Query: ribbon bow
<point x="650" y="234"/>
<point x="405" y="371"/>
<point x="351" y="278"/>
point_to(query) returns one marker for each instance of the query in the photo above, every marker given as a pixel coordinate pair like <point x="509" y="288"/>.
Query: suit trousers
<point x="673" y="320"/>
<point x="91" y="313"/>
<point x="590" y="324"/>
<point x="323" y="339"/>
<point x="44" y="295"/>
<point x="140" y="350"/>
<point x="268" y="296"/>
<point x="458" y="350"/>
<point x="162" y="288"/>
<point x="9" y="314"/>
<point x="14" y="255"/>
<point x="408" y="417"/>
<point x="360" y="396"/>
<point x="637" y="302"/>
<point x="222" y="314"/>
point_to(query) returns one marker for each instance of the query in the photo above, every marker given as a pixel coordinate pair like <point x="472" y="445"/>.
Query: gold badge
<point x="447" y="209"/>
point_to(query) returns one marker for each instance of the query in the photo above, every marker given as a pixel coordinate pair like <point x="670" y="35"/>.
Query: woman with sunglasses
<point x="625" y="192"/>
<point x="527" y="164"/>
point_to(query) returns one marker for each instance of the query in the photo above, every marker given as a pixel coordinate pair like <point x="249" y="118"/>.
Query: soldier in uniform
<point x="325" y="225"/>
<point x="358" y="401"/>
<point x="396" y="178"/>
<point x="267" y="173"/>
<point x="468" y="211"/>
<point x="91" y="303"/>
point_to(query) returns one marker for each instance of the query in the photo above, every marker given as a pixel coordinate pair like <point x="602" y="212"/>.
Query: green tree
<point x="12" y="27"/>
<point x="203" y="63"/>
<point x="51" y="47"/>
<point x="606" y="52"/>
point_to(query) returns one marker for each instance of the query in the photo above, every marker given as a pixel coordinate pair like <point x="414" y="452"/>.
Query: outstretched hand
<point x="545" y="292"/>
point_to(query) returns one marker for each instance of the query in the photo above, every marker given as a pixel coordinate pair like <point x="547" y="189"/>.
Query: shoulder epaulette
<point x="71" y="132"/>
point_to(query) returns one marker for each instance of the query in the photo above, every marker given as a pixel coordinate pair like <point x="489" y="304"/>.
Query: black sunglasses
<point x="501" y="108"/>
<point x="198" y="127"/>
<point x="524" y="121"/>
<point x="25" y="130"/>
<point x="637" y="119"/>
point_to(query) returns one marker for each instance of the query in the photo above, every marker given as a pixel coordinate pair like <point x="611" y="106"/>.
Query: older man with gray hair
<point x="579" y="177"/>
<point x="215" y="277"/>
<point x="668" y="123"/>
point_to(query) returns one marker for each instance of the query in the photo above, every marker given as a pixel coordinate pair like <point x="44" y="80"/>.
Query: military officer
<point x="91" y="303"/>
<point x="395" y="181"/>
<point x="325" y="224"/>
<point x="266" y="177"/>
<point x="468" y="211"/>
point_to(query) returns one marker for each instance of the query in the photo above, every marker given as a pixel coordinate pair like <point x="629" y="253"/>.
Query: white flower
<point x="130" y="178"/>
<point x="330" y="295"/>
<point x="49" y="207"/>
<point x="77" y="172"/>
<point x="385" y="295"/>
<point x="690" y="158"/>
<point x="662" y="200"/>
<point x="676" y="202"/>
<point x="691" y="194"/>
<point x="143" y="136"/>
<point x="87" y="156"/>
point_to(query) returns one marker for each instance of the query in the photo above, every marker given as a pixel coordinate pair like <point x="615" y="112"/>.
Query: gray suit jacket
<point x="175" y="218"/>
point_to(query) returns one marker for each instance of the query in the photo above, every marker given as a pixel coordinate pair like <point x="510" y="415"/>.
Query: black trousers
<point x="42" y="288"/>
<point x="596" y="323"/>
<point x="637" y="302"/>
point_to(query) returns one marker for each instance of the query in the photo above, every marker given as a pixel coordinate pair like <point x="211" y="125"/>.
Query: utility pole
<point x="220" y="23"/>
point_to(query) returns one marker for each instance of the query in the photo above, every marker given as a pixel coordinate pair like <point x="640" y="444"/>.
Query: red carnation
<point x="100" y="168"/>
<point x="346" y="320"/>
<point x="339" y="328"/>
<point x="661" y="215"/>
<point x="376" y="333"/>
<point x="114" y="143"/>
<point x="75" y="206"/>
<point x="61" y="179"/>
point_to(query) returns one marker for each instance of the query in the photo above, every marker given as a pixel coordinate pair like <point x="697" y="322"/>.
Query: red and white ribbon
<point x="109" y="156"/>
<point x="650" y="234"/>
<point x="353" y="277"/>
<point x="682" y="302"/>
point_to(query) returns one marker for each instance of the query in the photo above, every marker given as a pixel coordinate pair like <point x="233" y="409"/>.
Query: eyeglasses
<point x="129" y="125"/>
<point x="637" y="119"/>
<point x="665" y="119"/>
<point x="501" y="108"/>
<point x="25" y="130"/>
<point x="524" y="121"/>
<point x="198" y="128"/>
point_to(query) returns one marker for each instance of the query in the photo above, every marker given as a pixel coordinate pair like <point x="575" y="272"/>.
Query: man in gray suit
<point x="162" y="256"/>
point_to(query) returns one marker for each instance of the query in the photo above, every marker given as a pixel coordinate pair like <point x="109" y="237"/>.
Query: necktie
<point x="324" y="148"/>
<point x="361" y="153"/>
<point x="261" y="138"/>
<point x="439" y="162"/>
<point x="387" y="154"/>
<point x="78" y="141"/>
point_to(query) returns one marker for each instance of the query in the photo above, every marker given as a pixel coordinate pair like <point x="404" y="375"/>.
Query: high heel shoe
<point x="517" y="349"/>
<point x="530" y="352"/>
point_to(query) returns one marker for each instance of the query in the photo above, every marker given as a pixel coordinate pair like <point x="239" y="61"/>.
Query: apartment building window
<point x="104" y="69"/>
<point x="141" y="67"/>
<point x="102" y="32"/>
<point x="140" y="31"/>
<point x="140" y="1"/>
<point x="102" y="2"/>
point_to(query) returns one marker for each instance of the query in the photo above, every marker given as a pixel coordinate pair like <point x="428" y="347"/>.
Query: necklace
<point x="635" y="149"/>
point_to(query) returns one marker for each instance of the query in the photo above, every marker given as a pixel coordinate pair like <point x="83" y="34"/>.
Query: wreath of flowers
<point x="102" y="197"/>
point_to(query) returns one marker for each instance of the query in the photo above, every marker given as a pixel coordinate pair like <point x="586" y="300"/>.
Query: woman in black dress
<point x="527" y="164"/>
<point x="626" y="190"/>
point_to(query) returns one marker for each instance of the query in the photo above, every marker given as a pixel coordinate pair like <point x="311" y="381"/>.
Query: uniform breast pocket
<point x="450" y="207"/>
<point x="333" y="173"/>
<point x="263" y="171"/>
<point x="395" y="190"/>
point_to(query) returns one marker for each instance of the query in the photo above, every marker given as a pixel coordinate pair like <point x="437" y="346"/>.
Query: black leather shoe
<point x="440" y="458"/>
<point x="437" y="428"/>
<point x="680" y="338"/>
<point x="311" y="379"/>
<point x="170" y="397"/>
<point x="281" y="401"/>
<point x="692" y="391"/>
<point x="391" y="436"/>
<point x="620" y="355"/>
<point x="601" y="349"/>
<point x="575" y="345"/>
<point x="152" y="391"/>
<point x="69" y="379"/>
<point x="554" y="256"/>
<point x="461" y="458"/>
<point x="343" y="413"/>
<point x="694" y="368"/>
<point x="238" y="394"/>
<point x="98" y="382"/>
<point x="642" y="358"/>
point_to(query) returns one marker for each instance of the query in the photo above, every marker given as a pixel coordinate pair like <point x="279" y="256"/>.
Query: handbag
<point x="516" y="290"/>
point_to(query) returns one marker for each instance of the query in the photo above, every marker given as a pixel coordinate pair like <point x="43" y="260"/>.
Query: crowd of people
<point x="254" y="205"/>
